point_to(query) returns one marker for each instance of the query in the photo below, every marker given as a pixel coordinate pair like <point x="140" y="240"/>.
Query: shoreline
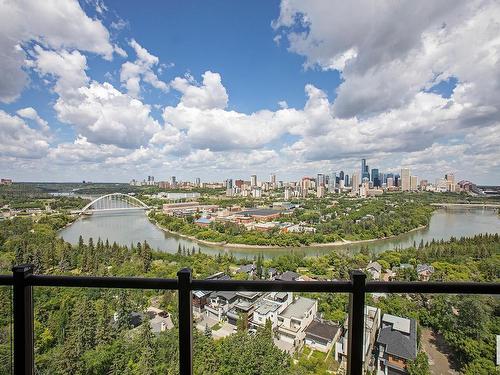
<point x="339" y="243"/>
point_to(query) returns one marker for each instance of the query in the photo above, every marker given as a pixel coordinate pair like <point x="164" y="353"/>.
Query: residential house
<point x="249" y="269"/>
<point x="397" y="344"/>
<point x="201" y="297"/>
<point x="288" y="276"/>
<point x="272" y="273"/>
<point x="424" y="271"/>
<point x="244" y="307"/>
<point x="374" y="269"/>
<point x="219" y="304"/>
<point x="293" y="321"/>
<point x="322" y="335"/>
<point x="372" y="323"/>
<point x="269" y="307"/>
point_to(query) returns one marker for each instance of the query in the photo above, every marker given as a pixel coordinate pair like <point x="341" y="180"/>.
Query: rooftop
<point x="322" y="330"/>
<point x="396" y="342"/>
<point x="298" y="308"/>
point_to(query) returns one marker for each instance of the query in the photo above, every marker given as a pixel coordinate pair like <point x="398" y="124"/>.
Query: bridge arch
<point x="140" y="203"/>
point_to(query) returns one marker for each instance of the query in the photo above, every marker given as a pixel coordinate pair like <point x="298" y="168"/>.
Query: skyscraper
<point x="229" y="187"/>
<point x="253" y="180"/>
<point x="355" y="182"/>
<point x="346" y="180"/>
<point x="198" y="182"/>
<point x="341" y="175"/>
<point x="332" y="182"/>
<point x="320" y="179"/>
<point x="273" y="180"/>
<point x="405" y="179"/>
<point x="173" y="182"/>
<point x="364" y="170"/>
<point x="375" y="178"/>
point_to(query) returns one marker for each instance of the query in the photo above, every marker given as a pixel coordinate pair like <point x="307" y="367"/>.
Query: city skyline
<point x="281" y="87"/>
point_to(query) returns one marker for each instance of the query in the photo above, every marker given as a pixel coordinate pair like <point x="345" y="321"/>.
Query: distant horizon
<point x="97" y="90"/>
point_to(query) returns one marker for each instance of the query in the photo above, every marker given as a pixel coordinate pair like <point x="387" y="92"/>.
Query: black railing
<point x="23" y="280"/>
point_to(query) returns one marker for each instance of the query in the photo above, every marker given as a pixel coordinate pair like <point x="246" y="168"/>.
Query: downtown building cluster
<point x="364" y="182"/>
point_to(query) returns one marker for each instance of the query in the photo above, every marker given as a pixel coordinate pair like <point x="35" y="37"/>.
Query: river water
<point x="133" y="226"/>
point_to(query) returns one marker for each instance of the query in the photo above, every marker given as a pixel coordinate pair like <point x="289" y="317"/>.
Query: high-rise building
<point x="332" y="182"/>
<point x="288" y="193"/>
<point x="239" y="183"/>
<point x="320" y="191"/>
<point x="390" y="182"/>
<point x="375" y="178"/>
<point x="364" y="170"/>
<point x="341" y="175"/>
<point x="346" y="180"/>
<point x="450" y="182"/>
<point x="405" y="179"/>
<point x="413" y="183"/>
<point x="273" y="180"/>
<point x="253" y="180"/>
<point x="355" y="182"/>
<point x="173" y="182"/>
<point x="229" y="187"/>
<point x="320" y="179"/>
<point x="198" y="182"/>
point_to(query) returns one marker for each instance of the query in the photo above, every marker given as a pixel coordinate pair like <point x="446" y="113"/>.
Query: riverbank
<point x="342" y="242"/>
<point x="466" y="205"/>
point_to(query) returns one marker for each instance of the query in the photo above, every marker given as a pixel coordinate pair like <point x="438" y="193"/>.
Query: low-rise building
<point x="397" y="344"/>
<point x="288" y="276"/>
<point x="269" y="307"/>
<point x="374" y="269"/>
<point x="293" y="321"/>
<point x="322" y="335"/>
<point x="219" y="304"/>
<point x="424" y="271"/>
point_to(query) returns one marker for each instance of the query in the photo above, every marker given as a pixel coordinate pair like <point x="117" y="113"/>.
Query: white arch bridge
<point x="114" y="202"/>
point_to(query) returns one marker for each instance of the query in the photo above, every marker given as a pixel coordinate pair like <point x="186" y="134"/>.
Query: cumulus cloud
<point x="132" y="73"/>
<point x="19" y="140"/>
<point x="210" y="94"/>
<point x="31" y="114"/>
<point x="389" y="53"/>
<point x="104" y="115"/>
<point x="55" y="24"/>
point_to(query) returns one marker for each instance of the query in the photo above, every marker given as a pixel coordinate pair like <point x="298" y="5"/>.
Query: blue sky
<point x="110" y="90"/>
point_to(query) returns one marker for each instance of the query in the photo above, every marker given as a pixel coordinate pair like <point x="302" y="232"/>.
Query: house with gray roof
<point x="288" y="276"/>
<point x="321" y="335"/>
<point x="424" y="271"/>
<point x="374" y="269"/>
<point x="396" y="343"/>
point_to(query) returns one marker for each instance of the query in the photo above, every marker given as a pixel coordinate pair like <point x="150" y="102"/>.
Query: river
<point x="133" y="226"/>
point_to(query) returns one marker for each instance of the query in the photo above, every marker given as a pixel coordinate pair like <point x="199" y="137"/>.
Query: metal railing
<point x="23" y="280"/>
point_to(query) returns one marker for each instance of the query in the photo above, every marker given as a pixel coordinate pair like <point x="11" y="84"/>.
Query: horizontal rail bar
<point x="103" y="282"/>
<point x="6" y="280"/>
<point x="273" y="286"/>
<point x="432" y="287"/>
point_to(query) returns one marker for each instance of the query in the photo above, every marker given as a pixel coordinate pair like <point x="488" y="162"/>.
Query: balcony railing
<point x="23" y="280"/>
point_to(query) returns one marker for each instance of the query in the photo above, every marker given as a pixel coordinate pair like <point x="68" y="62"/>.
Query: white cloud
<point x="141" y="69"/>
<point x="390" y="52"/>
<point x="211" y="94"/>
<point x="104" y="115"/>
<point x="19" y="140"/>
<point x="54" y="24"/>
<point x="32" y="114"/>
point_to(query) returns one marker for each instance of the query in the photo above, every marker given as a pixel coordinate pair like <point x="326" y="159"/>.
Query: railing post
<point x="23" y="321"/>
<point x="356" y="324"/>
<point x="185" y="322"/>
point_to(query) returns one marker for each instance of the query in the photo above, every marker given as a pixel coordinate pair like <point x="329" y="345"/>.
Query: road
<point x="437" y="351"/>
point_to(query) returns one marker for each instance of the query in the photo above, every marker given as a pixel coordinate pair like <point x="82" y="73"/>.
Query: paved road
<point x="435" y="347"/>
